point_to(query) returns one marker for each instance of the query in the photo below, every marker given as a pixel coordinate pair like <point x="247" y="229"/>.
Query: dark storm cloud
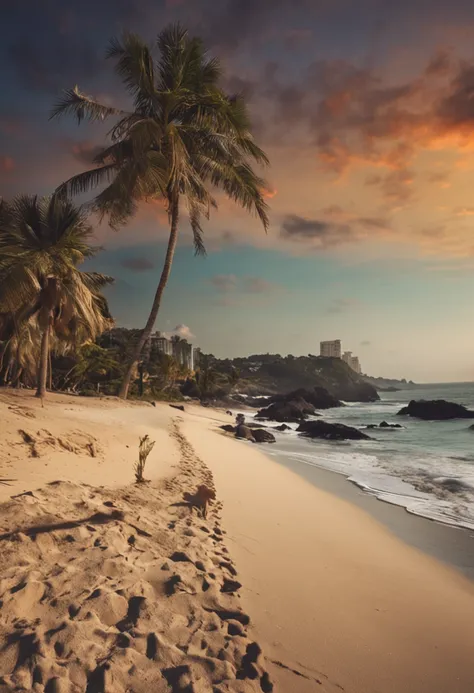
<point x="324" y="234"/>
<point x="456" y="109"/>
<point x="63" y="42"/>
<point x="137" y="264"/>
<point x="229" y="23"/>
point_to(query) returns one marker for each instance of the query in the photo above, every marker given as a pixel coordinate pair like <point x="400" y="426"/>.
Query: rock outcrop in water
<point x="293" y="410"/>
<point x="330" y="431"/>
<point x="436" y="410"/>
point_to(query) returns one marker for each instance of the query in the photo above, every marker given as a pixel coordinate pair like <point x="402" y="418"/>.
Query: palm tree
<point x="42" y="241"/>
<point x="184" y="137"/>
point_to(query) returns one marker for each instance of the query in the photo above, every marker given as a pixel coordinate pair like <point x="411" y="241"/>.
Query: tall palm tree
<point x="184" y="138"/>
<point x="42" y="242"/>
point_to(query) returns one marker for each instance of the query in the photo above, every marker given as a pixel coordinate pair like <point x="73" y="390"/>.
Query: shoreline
<point x="341" y="600"/>
<point x="449" y="544"/>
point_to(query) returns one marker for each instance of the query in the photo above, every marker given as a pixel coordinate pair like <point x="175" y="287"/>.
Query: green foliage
<point x="43" y="295"/>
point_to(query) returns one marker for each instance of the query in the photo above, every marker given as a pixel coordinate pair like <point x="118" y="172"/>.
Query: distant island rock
<point x="330" y="431"/>
<point x="436" y="410"/>
<point x="270" y="374"/>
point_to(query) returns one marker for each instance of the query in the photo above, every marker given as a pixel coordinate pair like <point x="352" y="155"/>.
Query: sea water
<point x="413" y="467"/>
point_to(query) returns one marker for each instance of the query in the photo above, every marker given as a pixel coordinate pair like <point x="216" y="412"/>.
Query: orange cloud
<point x="268" y="193"/>
<point x="7" y="163"/>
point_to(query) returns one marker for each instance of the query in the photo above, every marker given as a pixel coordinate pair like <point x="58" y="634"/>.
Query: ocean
<point x="413" y="466"/>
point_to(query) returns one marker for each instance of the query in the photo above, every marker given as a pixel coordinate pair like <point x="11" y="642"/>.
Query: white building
<point x="196" y="357"/>
<point x="352" y="361"/>
<point x="162" y="343"/>
<point x="355" y="364"/>
<point x="346" y="357"/>
<point x="331" y="349"/>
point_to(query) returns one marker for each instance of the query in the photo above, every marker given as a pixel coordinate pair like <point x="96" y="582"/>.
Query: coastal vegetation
<point x="184" y="141"/>
<point x="47" y="304"/>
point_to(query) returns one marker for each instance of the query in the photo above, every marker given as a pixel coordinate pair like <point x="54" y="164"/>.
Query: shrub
<point x="144" y="448"/>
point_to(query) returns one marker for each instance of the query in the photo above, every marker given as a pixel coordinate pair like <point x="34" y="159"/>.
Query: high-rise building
<point x="162" y="343"/>
<point x="196" y="357"/>
<point x="346" y="357"/>
<point x="355" y="364"/>
<point x="331" y="349"/>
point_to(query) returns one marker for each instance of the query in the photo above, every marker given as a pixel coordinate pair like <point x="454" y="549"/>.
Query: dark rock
<point x="455" y="485"/>
<point x="288" y="411"/>
<point x="262" y="436"/>
<point x="330" y="431"/>
<point x="436" y="410"/>
<point x="244" y="432"/>
<point x="318" y="397"/>
<point x="228" y="428"/>
<point x="471" y="428"/>
<point x="283" y="427"/>
<point x="384" y="424"/>
<point x="177" y="406"/>
<point x="200" y="566"/>
<point x="372" y="426"/>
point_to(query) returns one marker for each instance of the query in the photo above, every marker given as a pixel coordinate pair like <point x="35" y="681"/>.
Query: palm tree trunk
<point x="165" y="273"/>
<point x="44" y="362"/>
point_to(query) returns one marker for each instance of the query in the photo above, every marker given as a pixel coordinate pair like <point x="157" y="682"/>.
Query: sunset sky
<point x="366" y="111"/>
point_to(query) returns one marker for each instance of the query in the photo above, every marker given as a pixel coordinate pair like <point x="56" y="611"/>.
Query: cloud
<point x="258" y="285"/>
<point x="322" y="234"/>
<point x="137" y="264"/>
<point x="184" y="332"/>
<point x="342" y="305"/>
<point x="395" y="186"/>
<point x="224" y="282"/>
<point x="7" y="163"/>
<point x="85" y="151"/>
<point x="233" y="290"/>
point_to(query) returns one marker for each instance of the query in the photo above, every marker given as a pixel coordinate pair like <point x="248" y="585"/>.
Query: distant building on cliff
<point x="331" y="349"/>
<point x="352" y="361"/>
<point x="355" y="364"/>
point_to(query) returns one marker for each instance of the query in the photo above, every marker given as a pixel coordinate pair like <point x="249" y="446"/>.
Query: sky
<point x="366" y="111"/>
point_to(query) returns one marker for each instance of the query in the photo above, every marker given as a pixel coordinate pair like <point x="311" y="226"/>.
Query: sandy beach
<point x="107" y="585"/>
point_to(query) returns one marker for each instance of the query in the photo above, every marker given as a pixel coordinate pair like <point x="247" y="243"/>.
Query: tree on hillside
<point x="184" y="138"/>
<point x="45" y="297"/>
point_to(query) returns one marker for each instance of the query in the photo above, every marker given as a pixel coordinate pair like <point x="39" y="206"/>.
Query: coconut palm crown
<point x="42" y="242"/>
<point x="183" y="139"/>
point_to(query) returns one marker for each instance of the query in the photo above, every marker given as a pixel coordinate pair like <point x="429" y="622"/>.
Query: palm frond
<point x="135" y="67"/>
<point x="198" y="233"/>
<point x="82" y="107"/>
<point x="88" y="180"/>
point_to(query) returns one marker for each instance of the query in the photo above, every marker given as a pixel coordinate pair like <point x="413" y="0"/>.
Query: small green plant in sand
<point x="144" y="448"/>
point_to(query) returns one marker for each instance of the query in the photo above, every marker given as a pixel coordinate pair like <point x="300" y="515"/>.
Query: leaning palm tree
<point x="42" y="242"/>
<point x="183" y="139"/>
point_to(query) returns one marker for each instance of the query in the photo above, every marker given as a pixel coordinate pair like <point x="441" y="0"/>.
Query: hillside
<point x="268" y="374"/>
<point x="390" y="384"/>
